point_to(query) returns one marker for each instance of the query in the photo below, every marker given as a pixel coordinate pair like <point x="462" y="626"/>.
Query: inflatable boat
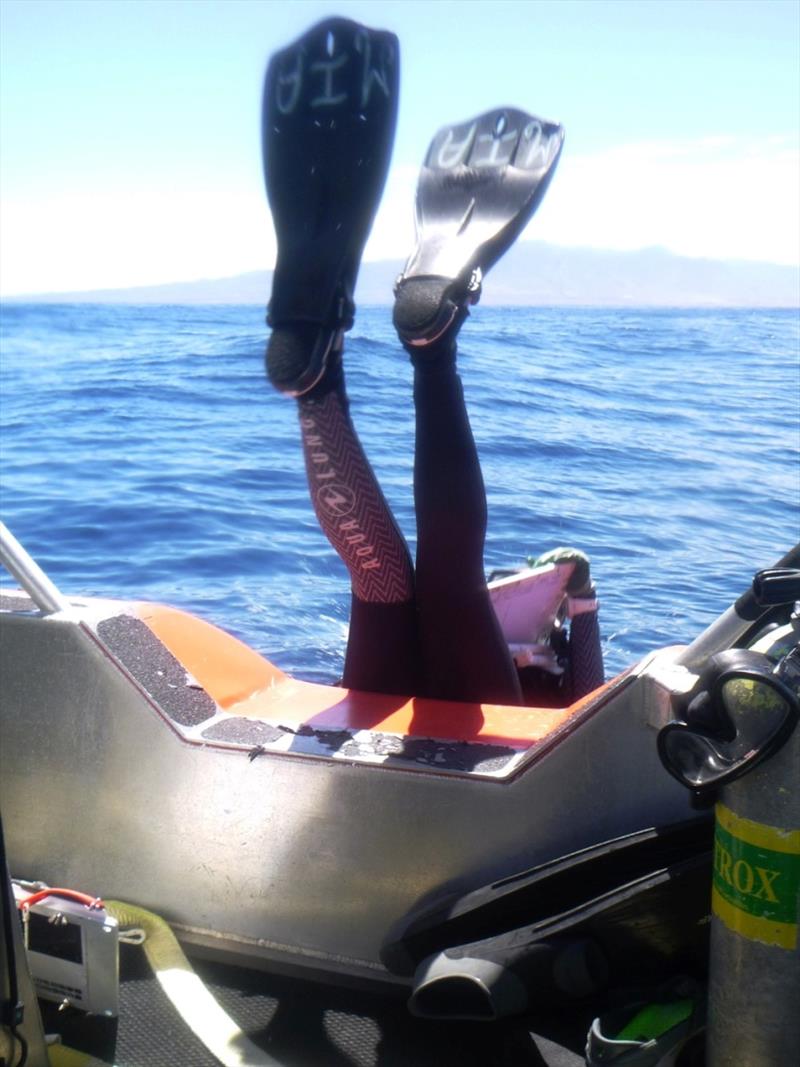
<point x="150" y="757"/>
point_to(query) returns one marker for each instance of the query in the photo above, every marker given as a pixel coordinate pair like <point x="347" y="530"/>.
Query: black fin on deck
<point x="478" y="188"/>
<point x="328" y="120"/>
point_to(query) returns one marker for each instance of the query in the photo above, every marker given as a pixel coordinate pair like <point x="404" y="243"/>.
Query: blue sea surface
<point x="144" y="456"/>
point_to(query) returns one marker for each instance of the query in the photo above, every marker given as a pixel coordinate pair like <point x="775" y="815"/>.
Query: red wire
<point x="68" y="894"/>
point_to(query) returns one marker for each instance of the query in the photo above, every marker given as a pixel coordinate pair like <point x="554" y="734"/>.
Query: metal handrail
<point x="29" y="574"/>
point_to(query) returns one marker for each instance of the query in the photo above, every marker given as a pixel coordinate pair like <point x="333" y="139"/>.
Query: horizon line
<point x="40" y="294"/>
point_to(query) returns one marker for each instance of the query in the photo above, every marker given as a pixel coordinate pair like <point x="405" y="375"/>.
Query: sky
<point x="130" y="144"/>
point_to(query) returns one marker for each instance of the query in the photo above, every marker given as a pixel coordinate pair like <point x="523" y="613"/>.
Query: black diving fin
<point x="556" y="894"/>
<point x="480" y="184"/>
<point x="627" y="910"/>
<point x="328" y="120"/>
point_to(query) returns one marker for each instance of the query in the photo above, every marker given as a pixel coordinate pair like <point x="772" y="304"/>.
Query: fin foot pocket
<point x="478" y="188"/>
<point x="328" y="119"/>
<point x="298" y="356"/>
<point x="424" y="309"/>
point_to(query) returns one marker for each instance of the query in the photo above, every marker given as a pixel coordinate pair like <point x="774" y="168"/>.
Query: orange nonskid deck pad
<point x="244" y="683"/>
<point x="294" y="703"/>
<point x="225" y="667"/>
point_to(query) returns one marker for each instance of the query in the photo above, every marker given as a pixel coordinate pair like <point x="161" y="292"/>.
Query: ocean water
<point x="145" y="456"/>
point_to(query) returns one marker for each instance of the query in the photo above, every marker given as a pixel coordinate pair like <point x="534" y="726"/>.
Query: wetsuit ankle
<point x="438" y="356"/>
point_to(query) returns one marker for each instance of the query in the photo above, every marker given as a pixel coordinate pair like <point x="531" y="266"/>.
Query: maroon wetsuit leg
<point x="464" y="653"/>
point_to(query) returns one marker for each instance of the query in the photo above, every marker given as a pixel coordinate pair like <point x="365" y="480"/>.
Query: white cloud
<point x="136" y="236"/>
<point x="720" y="197"/>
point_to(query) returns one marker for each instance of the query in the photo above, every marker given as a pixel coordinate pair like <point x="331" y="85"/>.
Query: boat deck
<point x="301" y="1024"/>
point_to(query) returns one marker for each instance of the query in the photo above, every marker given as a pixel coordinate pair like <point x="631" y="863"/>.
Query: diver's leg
<point x="480" y="184"/>
<point x="330" y="103"/>
<point x="464" y="652"/>
<point x="353" y="514"/>
<point x="586" y="672"/>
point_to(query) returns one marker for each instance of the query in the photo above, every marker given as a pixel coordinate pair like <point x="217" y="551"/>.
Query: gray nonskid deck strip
<point x="156" y="670"/>
<point x="361" y="746"/>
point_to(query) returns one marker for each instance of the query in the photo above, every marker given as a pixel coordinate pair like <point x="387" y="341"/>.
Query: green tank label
<point x="756" y="886"/>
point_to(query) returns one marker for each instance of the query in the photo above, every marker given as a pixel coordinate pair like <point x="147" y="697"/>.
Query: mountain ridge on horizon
<point x="532" y="274"/>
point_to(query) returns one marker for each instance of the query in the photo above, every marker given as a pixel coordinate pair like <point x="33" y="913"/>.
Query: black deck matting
<point x="301" y="1024"/>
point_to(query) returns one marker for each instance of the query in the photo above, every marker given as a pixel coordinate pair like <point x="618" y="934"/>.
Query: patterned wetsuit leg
<point x="463" y="650"/>
<point x="352" y="512"/>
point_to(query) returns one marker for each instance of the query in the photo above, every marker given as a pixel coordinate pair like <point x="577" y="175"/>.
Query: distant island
<point x="533" y="274"/>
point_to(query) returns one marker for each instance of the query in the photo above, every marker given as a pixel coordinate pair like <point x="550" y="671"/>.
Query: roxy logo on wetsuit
<point x="335" y="76"/>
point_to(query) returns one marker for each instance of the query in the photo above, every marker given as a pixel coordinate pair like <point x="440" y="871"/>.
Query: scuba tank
<point x="738" y="742"/>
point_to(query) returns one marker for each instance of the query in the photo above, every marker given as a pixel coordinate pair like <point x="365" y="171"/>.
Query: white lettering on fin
<point x="452" y="152"/>
<point x="539" y="149"/>
<point x="327" y="67"/>
<point x="288" y="86"/>
<point x="371" y="74"/>
<point x="500" y="151"/>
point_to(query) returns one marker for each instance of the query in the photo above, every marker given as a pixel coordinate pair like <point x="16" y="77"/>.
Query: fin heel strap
<point x="299" y="354"/>
<point x="427" y="308"/>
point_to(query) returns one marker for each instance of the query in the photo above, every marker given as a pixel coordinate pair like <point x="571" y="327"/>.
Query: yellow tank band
<point x="758" y="834"/>
<point x="756" y="883"/>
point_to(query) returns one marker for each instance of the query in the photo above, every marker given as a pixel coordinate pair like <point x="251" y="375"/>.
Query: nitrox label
<point x="756" y="890"/>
